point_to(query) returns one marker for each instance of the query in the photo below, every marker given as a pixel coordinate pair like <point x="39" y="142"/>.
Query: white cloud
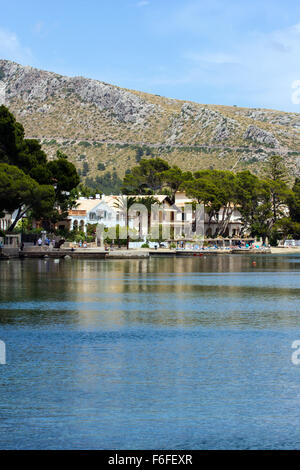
<point x="12" y="49"/>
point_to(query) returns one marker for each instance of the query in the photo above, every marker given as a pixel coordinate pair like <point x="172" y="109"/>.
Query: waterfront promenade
<point x="98" y="253"/>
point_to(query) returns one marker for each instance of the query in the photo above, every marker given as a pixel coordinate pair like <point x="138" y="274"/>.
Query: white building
<point x="173" y="218"/>
<point x="211" y="226"/>
<point x="109" y="211"/>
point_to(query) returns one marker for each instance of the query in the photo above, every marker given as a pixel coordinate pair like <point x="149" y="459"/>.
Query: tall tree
<point x="250" y="194"/>
<point x="146" y="177"/>
<point x="37" y="176"/>
<point x="294" y="201"/>
<point x="148" y="202"/>
<point x="19" y="192"/>
<point x="276" y="177"/>
<point x="173" y="179"/>
<point x="217" y="191"/>
<point x="275" y="169"/>
<point x="124" y="203"/>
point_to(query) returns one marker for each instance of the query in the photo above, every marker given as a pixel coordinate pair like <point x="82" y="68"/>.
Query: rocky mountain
<point x="104" y="128"/>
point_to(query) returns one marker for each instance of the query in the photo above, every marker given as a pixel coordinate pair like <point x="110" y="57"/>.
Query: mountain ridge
<point x="106" y="128"/>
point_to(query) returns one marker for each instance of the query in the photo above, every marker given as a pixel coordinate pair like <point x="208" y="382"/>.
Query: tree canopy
<point x="268" y="207"/>
<point x="28" y="181"/>
<point x="145" y="178"/>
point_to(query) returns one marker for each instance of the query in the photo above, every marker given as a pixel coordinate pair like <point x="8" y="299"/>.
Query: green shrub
<point x="85" y="169"/>
<point x="84" y="144"/>
<point x="101" y="166"/>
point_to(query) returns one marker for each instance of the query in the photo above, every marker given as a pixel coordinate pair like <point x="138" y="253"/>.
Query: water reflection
<point x="159" y="353"/>
<point x="215" y="290"/>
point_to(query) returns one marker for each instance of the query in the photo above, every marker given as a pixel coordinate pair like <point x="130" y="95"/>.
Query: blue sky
<point x="223" y="52"/>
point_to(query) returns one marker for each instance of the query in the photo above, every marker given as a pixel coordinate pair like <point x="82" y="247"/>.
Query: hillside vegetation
<point x="106" y="130"/>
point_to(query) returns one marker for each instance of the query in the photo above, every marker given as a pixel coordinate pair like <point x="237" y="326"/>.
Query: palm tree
<point x="124" y="203"/>
<point x="148" y="202"/>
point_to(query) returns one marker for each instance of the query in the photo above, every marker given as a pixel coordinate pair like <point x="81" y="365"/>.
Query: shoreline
<point x="94" y="253"/>
<point x="285" y="251"/>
